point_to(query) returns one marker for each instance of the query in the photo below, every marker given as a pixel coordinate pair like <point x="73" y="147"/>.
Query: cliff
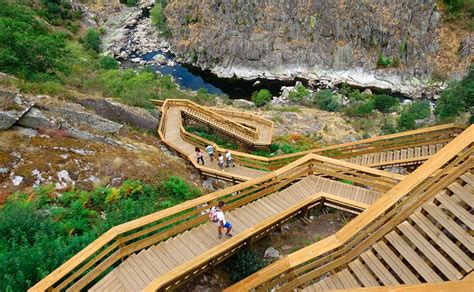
<point x="381" y="43"/>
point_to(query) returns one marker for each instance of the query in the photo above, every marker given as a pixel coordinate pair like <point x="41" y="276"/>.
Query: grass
<point x="204" y="132"/>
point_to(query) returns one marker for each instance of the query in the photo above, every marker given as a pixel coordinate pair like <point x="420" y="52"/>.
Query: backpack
<point x="213" y="215"/>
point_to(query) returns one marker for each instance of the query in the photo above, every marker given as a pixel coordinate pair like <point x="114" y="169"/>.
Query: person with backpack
<point x="210" y="151"/>
<point x="217" y="216"/>
<point x="199" y="155"/>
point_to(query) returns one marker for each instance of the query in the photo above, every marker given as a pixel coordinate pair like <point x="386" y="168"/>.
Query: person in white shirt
<point x="220" y="161"/>
<point x="222" y="223"/>
<point x="228" y="159"/>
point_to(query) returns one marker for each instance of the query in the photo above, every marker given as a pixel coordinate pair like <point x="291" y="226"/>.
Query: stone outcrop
<point x="136" y="117"/>
<point x="314" y="39"/>
<point x="12" y="108"/>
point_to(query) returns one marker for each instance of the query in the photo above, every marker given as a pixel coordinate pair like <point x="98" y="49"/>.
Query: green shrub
<point x="420" y="109"/>
<point x="40" y="232"/>
<point x="384" y="61"/>
<point x="157" y="15"/>
<point x="326" y="100"/>
<point x="179" y="190"/>
<point x="361" y="109"/>
<point x="203" y="132"/>
<point x="243" y="264"/>
<point x="92" y="40"/>
<point x="261" y="97"/>
<point x="385" y="103"/>
<point x="108" y="63"/>
<point x="387" y="128"/>
<point x="27" y="46"/>
<point x="298" y="94"/>
<point x="406" y="121"/>
<point x="457" y="98"/>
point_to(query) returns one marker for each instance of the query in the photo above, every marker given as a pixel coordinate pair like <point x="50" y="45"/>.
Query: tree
<point x="261" y="97"/>
<point x="92" y="40"/>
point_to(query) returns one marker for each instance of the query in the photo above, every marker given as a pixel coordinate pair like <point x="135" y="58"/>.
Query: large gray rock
<point x="137" y="117"/>
<point x="87" y="119"/>
<point x="271" y="252"/>
<point x="12" y="107"/>
<point x="36" y="119"/>
<point x="243" y="103"/>
<point x="315" y="39"/>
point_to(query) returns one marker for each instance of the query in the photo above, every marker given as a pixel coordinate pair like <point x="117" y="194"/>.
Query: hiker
<point x="228" y="159"/>
<point x="199" y="155"/>
<point x="220" y="161"/>
<point x="210" y="151"/>
<point x="221" y="222"/>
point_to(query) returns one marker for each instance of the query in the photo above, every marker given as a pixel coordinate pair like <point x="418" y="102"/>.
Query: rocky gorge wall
<point x="314" y="39"/>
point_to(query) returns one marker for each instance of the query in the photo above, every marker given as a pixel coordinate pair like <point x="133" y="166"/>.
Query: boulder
<point x="271" y="252"/>
<point x="89" y="120"/>
<point x="36" y="119"/>
<point x="243" y="103"/>
<point x="12" y="107"/>
<point x="109" y="109"/>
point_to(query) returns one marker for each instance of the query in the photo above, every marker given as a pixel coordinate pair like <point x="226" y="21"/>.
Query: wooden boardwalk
<point x="403" y="149"/>
<point x="137" y="271"/>
<point x="433" y="245"/>
<point x="419" y="232"/>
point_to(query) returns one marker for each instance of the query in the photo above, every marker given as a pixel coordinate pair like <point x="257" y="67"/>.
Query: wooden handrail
<point x="152" y="228"/>
<point x="165" y="281"/>
<point x="464" y="285"/>
<point x="342" y="242"/>
<point x="218" y="120"/>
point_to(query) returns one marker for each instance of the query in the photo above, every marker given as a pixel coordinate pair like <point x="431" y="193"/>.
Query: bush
<point x="406" y="121"/>
<point x="243" y="264"/>
<point x="387" y="128"/>
<point x="27" y="46"/>
<point x="108" y="63"/>
<point x="40" y="232"/>
<point x="157" y="15"/>
<point x="261" y="97"/>
<point x="385" y="103"/>
<point x="383" y="61"/>
<point x="92" y="40"/>
<point x="420" y="109"/>
<point x="361" y="110"/>
<point x="326" y="100"/>
<point x="179" y="190"/>
<point x="298" y="94"/>
<point x="457" y="98"/>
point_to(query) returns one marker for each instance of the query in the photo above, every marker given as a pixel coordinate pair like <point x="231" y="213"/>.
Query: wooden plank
<point x="468" y="178"/>
<point x="364" y="276"/>
<point x="452" y="227"/>
<point x="443" y="241"/>
<point x="458" y="211"/>
<point x="378" y="268"/>
<point x="430" y="252"/>
<point x="465" y="193"/>
<point x="395" y="263"/>
<point x="347" y="279"/>
<point x="412" y="257"/>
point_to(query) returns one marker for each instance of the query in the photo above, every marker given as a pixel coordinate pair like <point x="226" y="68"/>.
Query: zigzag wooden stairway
<point x="173" y="244"/>
<point x="419" y="232"/>
<point x="406" y="149"/>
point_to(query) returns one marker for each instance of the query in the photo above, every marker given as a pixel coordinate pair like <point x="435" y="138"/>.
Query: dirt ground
<point x="294" y="236"/>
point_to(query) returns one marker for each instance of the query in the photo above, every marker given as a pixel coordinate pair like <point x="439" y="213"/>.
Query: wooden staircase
<point x="137" y="271"/>
<point x="402" y="149"/>
<point x="419" y="232"/>
<point x="433" y="245"/>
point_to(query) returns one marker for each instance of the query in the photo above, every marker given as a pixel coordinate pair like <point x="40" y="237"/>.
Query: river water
<point x="193" y="78"/>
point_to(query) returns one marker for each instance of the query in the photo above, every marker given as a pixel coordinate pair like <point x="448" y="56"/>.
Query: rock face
<point x="313" y="39"/>
<point x="12" y="108"/>
<point x="115" y="111"/>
